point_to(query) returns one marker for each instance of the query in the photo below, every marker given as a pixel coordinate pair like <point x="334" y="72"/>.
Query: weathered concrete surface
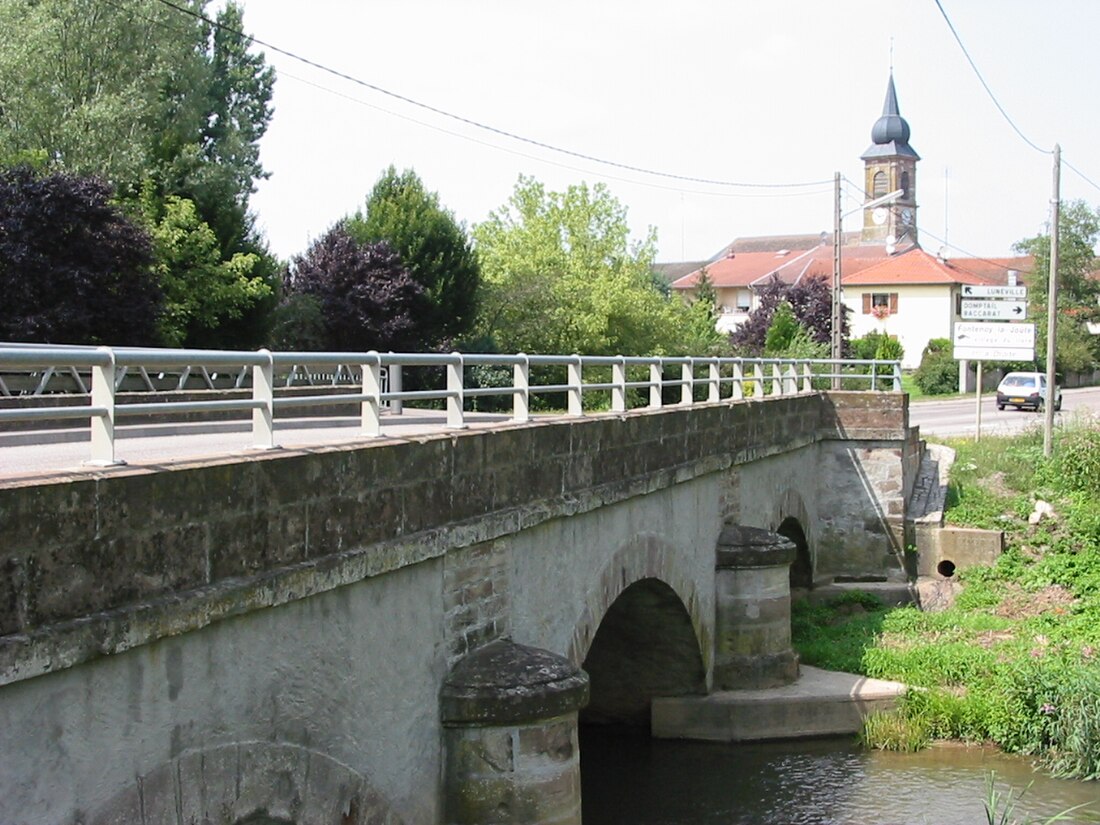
<point x="324" y="704"/>
<point x="753" y="612"/>
<point x="820" y="703"/>
<point x="289" y="618"/>
<point x="512" y="755"/>
<point x="957" y="548"/>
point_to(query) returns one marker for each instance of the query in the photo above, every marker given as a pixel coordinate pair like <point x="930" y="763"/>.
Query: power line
<point x="478" y="124"/>
<point x="985" y="85"/>
<point x="548" y="161"/>
<point x="1080" y="174"/>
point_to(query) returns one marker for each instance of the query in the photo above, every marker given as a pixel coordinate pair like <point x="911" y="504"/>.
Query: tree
<point x="432" y="245"/>
<point x="201" y="290"/>
<point x="1078" y="232"/>
<point x="84" y="82"/>
<point x="810" y="300"/>
<point x="160" y="103"/>
<point x="367" y="299"/>
<point x="73" y="268"/>
<point x="207" y="147"/>
<point x="560" y="274"/>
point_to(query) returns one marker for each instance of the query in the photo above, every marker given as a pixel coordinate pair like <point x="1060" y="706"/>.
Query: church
<point x="888" y="282"/>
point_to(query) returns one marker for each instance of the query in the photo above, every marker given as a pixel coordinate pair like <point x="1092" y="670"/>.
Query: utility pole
<point x="1052" y="306"/>
<point x="837" y="339"/>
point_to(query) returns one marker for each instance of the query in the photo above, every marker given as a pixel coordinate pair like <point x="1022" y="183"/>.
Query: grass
<point x="1016" y="660"/>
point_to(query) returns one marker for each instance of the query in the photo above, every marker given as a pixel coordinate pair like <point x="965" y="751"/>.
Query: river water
<point x="630" y="778"/>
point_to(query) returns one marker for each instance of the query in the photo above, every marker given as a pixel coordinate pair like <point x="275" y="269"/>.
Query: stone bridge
<point x="394" y="631"/>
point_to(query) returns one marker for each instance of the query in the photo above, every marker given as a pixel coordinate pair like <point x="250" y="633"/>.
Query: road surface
<point x="958" y="416"/>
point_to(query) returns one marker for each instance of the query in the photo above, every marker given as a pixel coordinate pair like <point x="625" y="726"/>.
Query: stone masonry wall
<point x="100" y="562"/>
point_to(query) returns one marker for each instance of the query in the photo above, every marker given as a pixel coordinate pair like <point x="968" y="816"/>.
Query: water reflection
<point x="629" y="778"/>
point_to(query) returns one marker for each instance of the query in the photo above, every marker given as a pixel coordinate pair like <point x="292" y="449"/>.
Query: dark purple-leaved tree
<point x="73" y="268"/>
<point x="811" y="300"/>
<point x="366" y="299"/>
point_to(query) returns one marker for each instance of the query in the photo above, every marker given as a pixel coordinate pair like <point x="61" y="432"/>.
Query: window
<point x="880" y="304"/>
<point x="744" y="300"/>
<point x="878" y="185"/>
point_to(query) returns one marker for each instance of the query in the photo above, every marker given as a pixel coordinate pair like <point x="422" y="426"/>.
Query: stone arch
<point x="251" y="783"/>
<point x="641" y="634"/>
<point x="790" y="521"/>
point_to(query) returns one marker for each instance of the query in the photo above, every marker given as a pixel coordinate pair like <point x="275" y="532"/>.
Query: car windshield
<point x="1018" y="381"/>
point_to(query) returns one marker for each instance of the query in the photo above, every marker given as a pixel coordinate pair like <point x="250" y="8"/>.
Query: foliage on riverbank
<point x="1016" y="660"/>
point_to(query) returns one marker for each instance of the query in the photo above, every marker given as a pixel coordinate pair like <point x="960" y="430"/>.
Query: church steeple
<point x="890" y="163"/>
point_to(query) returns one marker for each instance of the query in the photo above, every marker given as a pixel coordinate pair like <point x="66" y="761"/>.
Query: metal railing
<point x="625" y="382"/>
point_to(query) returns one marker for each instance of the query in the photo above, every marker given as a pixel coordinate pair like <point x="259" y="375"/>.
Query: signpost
<point x="992" y="339"/>
<point x="994" y="310"/>
<point x="1017" y="292"/>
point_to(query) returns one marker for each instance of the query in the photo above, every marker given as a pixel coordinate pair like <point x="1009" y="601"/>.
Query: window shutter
<point x="893" y="303"/>
<point x="866" y="303"/>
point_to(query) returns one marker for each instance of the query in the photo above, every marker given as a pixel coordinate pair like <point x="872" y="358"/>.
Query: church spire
<point x="890" y="164"/>
<point x="890" y="134"/>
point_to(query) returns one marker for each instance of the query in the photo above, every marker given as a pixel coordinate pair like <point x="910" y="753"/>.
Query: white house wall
<point x="924" y="312"/>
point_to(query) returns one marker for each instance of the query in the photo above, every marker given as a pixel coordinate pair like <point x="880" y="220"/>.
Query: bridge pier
<point x="753" y="610"/>
<point x="510" y="738"/>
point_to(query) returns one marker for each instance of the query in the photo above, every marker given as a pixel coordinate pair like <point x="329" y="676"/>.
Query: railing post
<point x="393" y="379"/>
<point x="370" y="412"/>
<point x="687" y="382"/>
<point x="757" y="380"/>
<point x="791" y="380"/>
<point x="103" y="426"/>
<point x="521" y="396"/>
<point x="738" y="381"/>
<point x="777" y="380"/>
<point x="807" y="379"/>
<point x="897" y="376"/>
<point x="618" y="391"/>
<point x="455" y="419"/>
<point x="263" y="392"/>
<point x="656" y="379"/>
<point x="714" y="386"/>
<point x="576" y="390"/>
<point x="874" y="376"/>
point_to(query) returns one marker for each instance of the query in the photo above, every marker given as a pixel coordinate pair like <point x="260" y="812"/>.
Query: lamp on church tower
<point x="890" y="164"/>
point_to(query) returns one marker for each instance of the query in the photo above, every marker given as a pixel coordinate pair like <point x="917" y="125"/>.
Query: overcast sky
<point x="769" y="91"/>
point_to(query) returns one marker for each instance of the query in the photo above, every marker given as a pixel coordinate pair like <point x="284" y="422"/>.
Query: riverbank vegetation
<point x="1015" y="661"/>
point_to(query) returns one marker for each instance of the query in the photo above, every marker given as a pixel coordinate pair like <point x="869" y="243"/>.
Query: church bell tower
<point x="890" y="164"/>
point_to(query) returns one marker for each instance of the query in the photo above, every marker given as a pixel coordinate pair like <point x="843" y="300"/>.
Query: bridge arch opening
<point x="645" y="646"/>
<point x="802" y="568"/>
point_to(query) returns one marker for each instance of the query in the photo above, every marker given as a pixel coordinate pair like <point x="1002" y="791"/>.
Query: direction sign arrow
<point x="994" y="309"/>
<point x="1017" y="292"/>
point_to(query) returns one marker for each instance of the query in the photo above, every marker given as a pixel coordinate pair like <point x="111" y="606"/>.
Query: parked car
<point x="1026" y="389"/>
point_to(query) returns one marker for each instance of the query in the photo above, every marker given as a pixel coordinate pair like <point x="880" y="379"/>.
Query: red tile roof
<point x="913" y="267"/>
<point x="744" y="269"/>
<point x="867" y="264"/>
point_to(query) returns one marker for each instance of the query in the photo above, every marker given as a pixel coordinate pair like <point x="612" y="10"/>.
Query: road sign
<point x="993" y="354"/>
<point x="994" y="341"/>
<point x="1017" y="292"/>
<point x="994" y="309"/>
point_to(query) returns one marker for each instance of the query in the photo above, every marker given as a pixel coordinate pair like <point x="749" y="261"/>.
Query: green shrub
<point x="938" y="373"/>
<point x="1077" y="459"/>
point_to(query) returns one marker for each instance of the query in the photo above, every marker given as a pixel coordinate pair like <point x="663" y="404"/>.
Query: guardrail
<point x="624" y="381"/>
